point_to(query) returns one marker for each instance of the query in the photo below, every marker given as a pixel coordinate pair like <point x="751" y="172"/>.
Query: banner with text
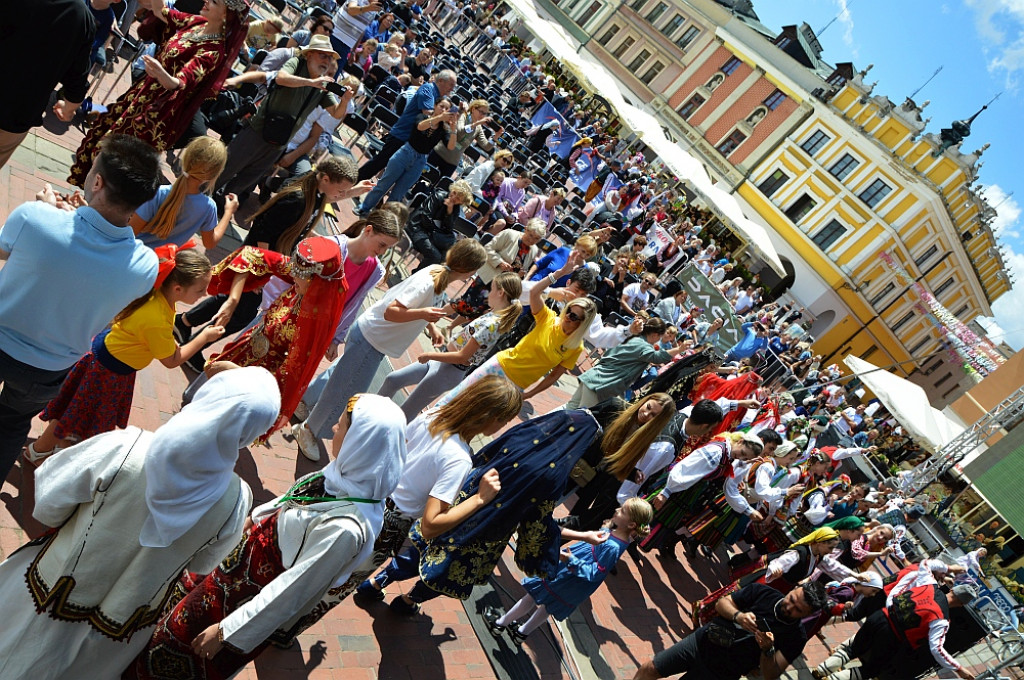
<point x="704" y="294"/>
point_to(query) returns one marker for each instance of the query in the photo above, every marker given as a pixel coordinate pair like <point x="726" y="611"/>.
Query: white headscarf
<point x="191" y="458"/>
<point x="372" y="456"/>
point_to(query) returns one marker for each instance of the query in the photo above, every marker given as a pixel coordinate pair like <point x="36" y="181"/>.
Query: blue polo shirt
<point x="67" y="277"/>
<point x="424" y="99"/>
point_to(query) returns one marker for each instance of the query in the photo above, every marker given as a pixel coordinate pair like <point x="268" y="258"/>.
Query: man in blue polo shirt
<point x="422" y="102"/>
<point x="755" y="338"/>
<point x="67" y="274"/>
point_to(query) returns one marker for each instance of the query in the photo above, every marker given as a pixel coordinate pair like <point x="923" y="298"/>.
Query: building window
<point x="944" y="379"/>
<point x="656" y="13"/>
<point x="623" y="46"/>
<point x="889" y="287"/>
<point x="687" y="109"/>
<point x="932" y="249"/>
<point x="652" y="73"/>
<point x="674" y="25"/>
<point x="730" y="66"/>
<point x="837" y="79"/>
<point x="868" y="352"/>
<point x="772" y="183"/>
<point x="584" y="17"/>
<point x="916" y="348"/>
<point x="932" y="365"/>
<point x="815" y="142"/>
<point x="874" y="194"/>
<point x="958" y="313"/>
<point x="687" y="37"/>
<point x="844" y="166"/>
<point x="729" y="144"/>
<point x="829" y="234"/>
<point x="774" y="100"/>
<point x="904" y="320"/>
<point x="637" y="4"/>
<point x="639" y="60"/>
<point x="783" y="42"/>
<point x="946" y="285"/>
<point x="800" y="208"/>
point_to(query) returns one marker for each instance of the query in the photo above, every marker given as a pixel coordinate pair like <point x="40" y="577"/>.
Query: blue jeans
<point x="402" y="567"/>
<point x="402" y="171"/>
<point x="349" y="375"/>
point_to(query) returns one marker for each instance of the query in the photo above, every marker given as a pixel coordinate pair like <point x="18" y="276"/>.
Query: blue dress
<point x="576" y="580"/>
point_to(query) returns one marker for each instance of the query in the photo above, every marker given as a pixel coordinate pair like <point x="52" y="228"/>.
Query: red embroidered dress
<point x="149" y="111"/>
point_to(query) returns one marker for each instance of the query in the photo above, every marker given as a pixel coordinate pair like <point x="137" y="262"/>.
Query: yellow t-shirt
<point x="538" y="352"/>
<point x="145" y="335"/>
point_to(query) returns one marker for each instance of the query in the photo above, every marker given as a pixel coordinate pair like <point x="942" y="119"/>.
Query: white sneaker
<point x="301" y="411"/>
<point x="308" y="445"/>
<point x="33" y="456"/>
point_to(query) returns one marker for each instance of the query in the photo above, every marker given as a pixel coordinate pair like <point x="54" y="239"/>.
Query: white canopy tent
<point x="908" y="403"/>
<point x="644" y="125"/>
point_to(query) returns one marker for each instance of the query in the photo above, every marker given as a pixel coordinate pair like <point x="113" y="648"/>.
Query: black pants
<point x="444" y="167"/>
<point x="432" y="247"/>
<point x="597" y="501"/>
<point x="26" y="391"/>
<point x="684" y="657"/>
<point x="875" y="644"/>
<point x="245" y="312"/>
<point x="373" y="167"/>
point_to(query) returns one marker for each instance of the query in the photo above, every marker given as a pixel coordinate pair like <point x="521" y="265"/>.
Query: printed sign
<point x="704" y="294"/>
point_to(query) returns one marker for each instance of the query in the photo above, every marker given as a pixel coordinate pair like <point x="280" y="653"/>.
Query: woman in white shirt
<point x="439" y="462"/>
<point x="387" y="328"/>
<point x="437" y="372"/>
<point x="301" y="545"/>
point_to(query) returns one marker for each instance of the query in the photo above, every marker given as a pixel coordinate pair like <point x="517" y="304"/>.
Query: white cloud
<point x="846" y="19"/>
<point x="1000" y="23"/>
<point x="1007" y="322"/>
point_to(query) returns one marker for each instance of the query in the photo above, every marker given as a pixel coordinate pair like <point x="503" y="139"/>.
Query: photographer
<point x="301" y="85"/>
<point x="296" y="159"/>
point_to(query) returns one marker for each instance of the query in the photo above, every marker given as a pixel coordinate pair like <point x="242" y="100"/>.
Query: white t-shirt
<point x="433" y="468"/>
<point x="328" y="124"/>
<point x="393" y="338"/>
<point x="637" y="298"/>
<point x="349" y="28"/>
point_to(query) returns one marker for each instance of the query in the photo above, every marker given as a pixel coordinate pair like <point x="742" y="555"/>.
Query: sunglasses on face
<point x="573" y="316"/>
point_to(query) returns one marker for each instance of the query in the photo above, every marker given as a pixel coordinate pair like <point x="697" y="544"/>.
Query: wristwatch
<point x="769" y="652"/>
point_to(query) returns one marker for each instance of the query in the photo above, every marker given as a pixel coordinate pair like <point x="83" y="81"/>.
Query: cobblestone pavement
<point x="642" y="610"/>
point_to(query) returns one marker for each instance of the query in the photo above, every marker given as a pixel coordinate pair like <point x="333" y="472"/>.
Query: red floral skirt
<point x="254" y="563"/>
<point x="92" y="400"/>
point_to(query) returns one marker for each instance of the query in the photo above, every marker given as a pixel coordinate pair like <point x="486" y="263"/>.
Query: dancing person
<point x="96" y="396"/>
<point x="438" y="462"/>
<point x="189" y="67"/>
<point x="130" y="510"/>
<point x="435" y="373"/>
<point x="387" y="328"/>
<point x="102" y="269"/>
<point x="300" y="545"/>
<point x="181" y="210"/>
<point x="581" y="571"/>
<point x="511" y="251"/>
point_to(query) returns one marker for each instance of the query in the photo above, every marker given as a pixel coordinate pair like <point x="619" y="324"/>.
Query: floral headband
<point x="237" y="6"/>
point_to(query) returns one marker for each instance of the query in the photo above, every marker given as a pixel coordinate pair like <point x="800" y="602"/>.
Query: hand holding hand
<point x="332" y="351"/>
<point x="64" y="110"/>
<point x="225" y="312"/>
<point x="490" y="486"/>
<point x="47" y="195"/>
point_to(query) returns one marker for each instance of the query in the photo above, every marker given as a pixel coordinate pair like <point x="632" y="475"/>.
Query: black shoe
<point x="690" y="547"/>
<point x="196" y="362"/>
<point x="491" y="616"/>
<point x="182" y="332"/>
<point x="366" y="594"/>
<point x="516" y="636"/>
<point x="739" y="560"/>
<point x="402" y="608"/>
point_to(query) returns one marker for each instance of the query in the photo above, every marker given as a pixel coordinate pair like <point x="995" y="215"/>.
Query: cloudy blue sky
<point x="980" y="45"/>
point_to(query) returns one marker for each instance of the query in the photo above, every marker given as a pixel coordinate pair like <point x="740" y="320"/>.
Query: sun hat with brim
<point x="320" y="43"/>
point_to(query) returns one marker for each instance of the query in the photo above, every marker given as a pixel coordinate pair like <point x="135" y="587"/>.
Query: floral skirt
<point x="718" y="523"/>
<point x="194" y="607"/>
<point x="473" y="303"/>
<point x="92" y="400"/>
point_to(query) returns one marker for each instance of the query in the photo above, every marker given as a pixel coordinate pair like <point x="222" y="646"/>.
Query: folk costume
<point x="303" y="546"/>
<point x="714" y="387"/>
<point x="151" y="112"/>
<point x="577" y="579"/>
<point x="298" y="327"/>
<point x="678" y="378"/>
<point x="533" y="460"/>
<point x="133" y="509"/>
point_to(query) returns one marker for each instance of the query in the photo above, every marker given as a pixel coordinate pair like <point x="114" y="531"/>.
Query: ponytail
<point x="512" y="286"/>
<point x="162" y="223"/>
<point x="465" y="257"/>
<point x="202" y="159"/>
<point x="190" y="266"/>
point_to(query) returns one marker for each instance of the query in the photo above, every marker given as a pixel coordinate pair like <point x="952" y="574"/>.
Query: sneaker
<point x="367" y="593"/>
<point x="301" y="411"/>
<point x="196" y="362"/>
<point x="402" y="608"/>
<point x="33" y="456"/>
<point x="182" y="332"/>
<point x="308" y="445"/>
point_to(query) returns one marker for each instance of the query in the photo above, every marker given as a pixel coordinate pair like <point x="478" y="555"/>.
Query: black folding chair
<point x="564" y="233"/>
<point x="465" y="227"/>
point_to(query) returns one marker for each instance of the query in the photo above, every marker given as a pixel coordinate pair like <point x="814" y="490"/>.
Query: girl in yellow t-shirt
<point x="549" y="350"/>
<point x="97" y="394"/>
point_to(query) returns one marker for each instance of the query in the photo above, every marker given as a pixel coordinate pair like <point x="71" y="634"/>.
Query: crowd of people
<point x="159" y="566"/>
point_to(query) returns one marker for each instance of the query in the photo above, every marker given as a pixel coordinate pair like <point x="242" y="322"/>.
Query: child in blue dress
<point x="582" y="570"/>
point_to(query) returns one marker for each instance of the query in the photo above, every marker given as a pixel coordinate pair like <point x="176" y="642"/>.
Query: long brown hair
<point x="476" y="408"/>
<point x="511" y="285"/>
<point x="625" y="441"/>
<point x="190" y="265"/>
<point x="334" y="169"/>
<point x="465" y="257"/>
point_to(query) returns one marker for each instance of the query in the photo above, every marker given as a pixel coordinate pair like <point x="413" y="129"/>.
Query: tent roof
<point x="908" y="403"/>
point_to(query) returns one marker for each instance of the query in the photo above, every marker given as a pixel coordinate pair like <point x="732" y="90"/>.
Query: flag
<point x="583" y="170"/>
<point x="613" y="182"/>
<point x="563" y="138"/>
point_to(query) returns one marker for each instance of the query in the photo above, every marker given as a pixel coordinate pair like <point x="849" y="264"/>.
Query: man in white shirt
<point x="636" y="297"/>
